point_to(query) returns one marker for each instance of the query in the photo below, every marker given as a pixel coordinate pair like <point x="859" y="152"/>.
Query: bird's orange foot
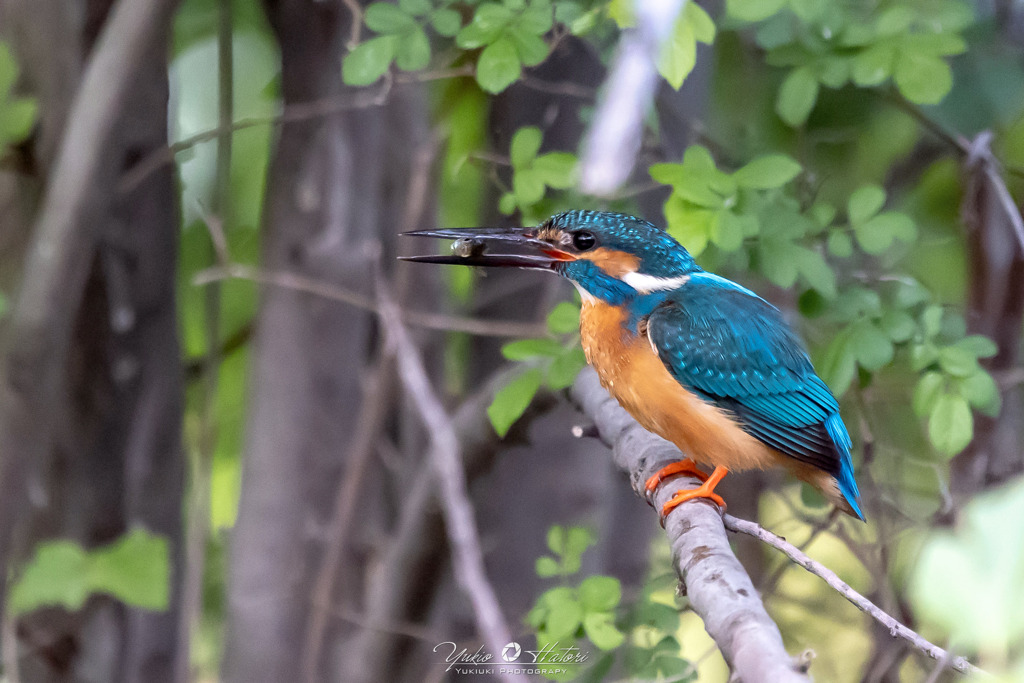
<point x="705" y="490"/>
<point x="685" y="466"/>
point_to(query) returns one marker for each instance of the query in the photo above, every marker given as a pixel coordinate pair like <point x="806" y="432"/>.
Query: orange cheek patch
<point x="614" y="263"/>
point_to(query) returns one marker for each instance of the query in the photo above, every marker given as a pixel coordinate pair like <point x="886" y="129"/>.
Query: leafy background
<point x="832" y="156"/>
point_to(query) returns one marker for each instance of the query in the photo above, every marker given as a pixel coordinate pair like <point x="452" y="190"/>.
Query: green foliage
<point x="551" y="362"/>
<point x="511" y="34"/>
<point x="567" y="613"/>
<point x="968" y="583"/>
<point x="708" y="205"/>
<point x="401" y="38"/>
<point x="17" y="114"/>
<point x="951" y="384"/>
<point x="135" y="569"/>
<point x="835" y="44"/>
<point x="532" y="174"/>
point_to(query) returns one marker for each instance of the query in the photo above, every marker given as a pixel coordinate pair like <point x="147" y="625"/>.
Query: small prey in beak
<point x="493" y="247"/>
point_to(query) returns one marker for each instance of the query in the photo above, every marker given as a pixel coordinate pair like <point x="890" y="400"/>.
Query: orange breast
<point x="633" y="373"/>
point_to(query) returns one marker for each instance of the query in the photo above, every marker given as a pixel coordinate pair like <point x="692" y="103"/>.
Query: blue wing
<point x="733" y="348"/>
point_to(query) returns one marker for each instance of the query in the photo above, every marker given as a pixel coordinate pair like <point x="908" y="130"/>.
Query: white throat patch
<point x="645" y="284"/>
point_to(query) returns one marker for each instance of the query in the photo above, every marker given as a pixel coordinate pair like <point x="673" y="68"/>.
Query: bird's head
<point x="608" y="256"/>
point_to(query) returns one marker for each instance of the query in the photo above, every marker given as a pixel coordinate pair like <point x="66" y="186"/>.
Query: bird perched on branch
<point x="695" y="358"/>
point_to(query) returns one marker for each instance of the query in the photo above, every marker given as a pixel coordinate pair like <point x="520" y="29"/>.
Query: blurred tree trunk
<point x="336" y="191"/>
<point x="113" y="460"/>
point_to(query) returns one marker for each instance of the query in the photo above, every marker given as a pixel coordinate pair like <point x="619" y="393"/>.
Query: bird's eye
<point x="583" y="240"/>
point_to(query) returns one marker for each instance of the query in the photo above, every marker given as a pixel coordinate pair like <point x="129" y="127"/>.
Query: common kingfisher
<point x="695" y="358"/>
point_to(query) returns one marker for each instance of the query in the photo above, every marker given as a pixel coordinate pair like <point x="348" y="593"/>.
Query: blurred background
<point x="211" y="467"/>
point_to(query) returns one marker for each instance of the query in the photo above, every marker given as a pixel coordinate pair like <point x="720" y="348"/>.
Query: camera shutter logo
<point x="511" y="652"/>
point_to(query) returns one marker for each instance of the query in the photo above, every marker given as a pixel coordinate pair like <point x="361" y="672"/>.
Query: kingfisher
<point x="695" y="358"/>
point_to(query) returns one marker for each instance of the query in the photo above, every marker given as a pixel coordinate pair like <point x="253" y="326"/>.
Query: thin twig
<point x="896" y="629"/>
<point x="433" y="321"/>
<point x="467" y="555"/>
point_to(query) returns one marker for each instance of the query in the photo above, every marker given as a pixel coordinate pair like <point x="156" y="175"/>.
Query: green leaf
<point x="525" y="145"/>
<point x="797" y="96"/>
<point x="577" y="540"/>
<point x="507" y="203"/>
<point x="840" y="244"/>
<point x="877" y="234"/>
<point x="527" y="186"/>
<point x="564" y="368"/>
<point x="838" y="364"/>
<point x="556" y="539"/>
<point x="512" y="400"/>
<point x="564" y="616"/>
<point x="600" y="593"/>
<point x="135" y="569"/>
<point x="753" y="10"/>
<point x="17" y="117"/>
<point x="600" y="628"/>
<point x="446" y="22"/>
<point x="537" y="18"/>
<point x="958" y="361"/>
<point x="472" y="36"/>
<point x="498" y="66"/>
<point x="416" y="8"/>
<point x="864" y="203"/>
<point x="727" y="230"/>
<point x="951" y="425"/>
<point x="524" y="349"/>
<point x="927" y="392"/>
<point x="815" y="271"/>
<point x="874" y="65"/>
<point x="922" y="78"/>
<point x="531" y="48"/>
<point x="56" y="575"/>
<point x="931" y="319"/>
<point x="556" y="169"/>
<point x="491" y="15"/>
<point x="385" y="18"/>
<point x="981" y="391"/>
<point x="870" y="345"/>
<point x="368" y="61"/>
<point x="679" y="55"/>
<point x="413" y="51"/>
<point x="564" y="318"/>
<point x="978" y="346"/>
<point x="922" y="356"/>
<point x="767" y="172"/>
<point x="898" y="324"/>
<point x="546" y="567"/>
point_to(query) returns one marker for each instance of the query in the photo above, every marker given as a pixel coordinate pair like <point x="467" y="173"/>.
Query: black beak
<point x="494" y="247"/>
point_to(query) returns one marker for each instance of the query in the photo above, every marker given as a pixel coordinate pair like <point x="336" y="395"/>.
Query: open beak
<point x="494" y="247"/>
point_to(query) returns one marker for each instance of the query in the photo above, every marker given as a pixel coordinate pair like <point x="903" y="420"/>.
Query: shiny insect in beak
<point x="493" y="247"/>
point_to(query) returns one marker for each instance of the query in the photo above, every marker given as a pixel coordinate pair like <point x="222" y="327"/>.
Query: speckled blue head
<point x="615" y="257"/>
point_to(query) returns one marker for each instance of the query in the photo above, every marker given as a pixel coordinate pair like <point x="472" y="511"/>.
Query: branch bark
<point x="719" y="589"/>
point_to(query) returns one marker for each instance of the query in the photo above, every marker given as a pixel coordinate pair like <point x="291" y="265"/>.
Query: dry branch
<point x="467" y="556"/>
<point x="896" y="629"/>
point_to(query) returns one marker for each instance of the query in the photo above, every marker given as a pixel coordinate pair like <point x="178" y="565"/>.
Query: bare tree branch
<point x="896" y="629"/>
<point x="444" y="453"/>
<point x="433" y="321"/>
<point x="613" y="141"/>
<point x="719" y="589"/>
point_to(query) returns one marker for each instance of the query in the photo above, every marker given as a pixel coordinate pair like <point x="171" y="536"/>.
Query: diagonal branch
<point x="896" y="629"/>
<point x="467" y="555"/>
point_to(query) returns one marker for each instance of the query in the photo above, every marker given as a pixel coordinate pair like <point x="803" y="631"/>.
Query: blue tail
<point x="847" y="484"/>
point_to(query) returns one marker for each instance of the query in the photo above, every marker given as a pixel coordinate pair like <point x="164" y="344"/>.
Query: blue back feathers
<point x="720" y="341"/>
